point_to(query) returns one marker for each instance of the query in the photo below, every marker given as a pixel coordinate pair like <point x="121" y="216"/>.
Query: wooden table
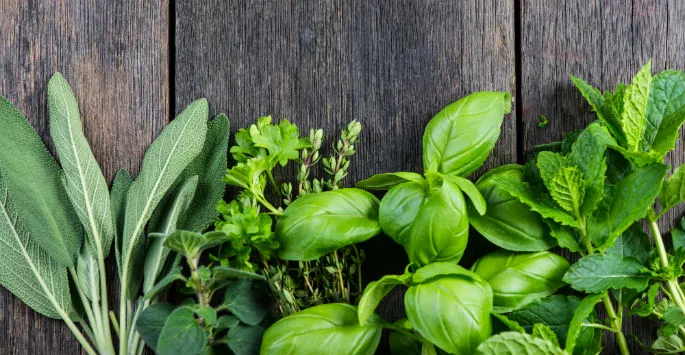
<point x="320" y="63"/>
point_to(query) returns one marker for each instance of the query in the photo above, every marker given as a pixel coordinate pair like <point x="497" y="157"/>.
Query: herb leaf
<point x="634" y="115"/>
<point x="182" y="334"/>
<point x="673" y="190"/>
<point x="567" y="189"/>
<point x="665" y="97"/>
<point x="388" y="180"/>
<point x="584" y="309"/>
<point x="596" y="273"/>
<point x="516" y="343"/>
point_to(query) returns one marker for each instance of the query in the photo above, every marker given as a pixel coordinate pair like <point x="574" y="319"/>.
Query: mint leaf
<point x="667" y="135"/>
<point x="634" y="115"/>
<point x="515" y="343"/>
<point x="596" y="273"/>
<point x="673" y="190"/>
<point x="678" y="235"/>
<point x="567" y="189"/>
<point x="549" y="164"/>
<point x="585" y="308"/>
<point x="627" y="202"/>
<point x="566" y="237"/>
<point x="667" y="95"/>
<point x="632" y="242"/>
<point x="543" y="331"/>
<point x="606" y="112"/>
<point x="672" y="344"/>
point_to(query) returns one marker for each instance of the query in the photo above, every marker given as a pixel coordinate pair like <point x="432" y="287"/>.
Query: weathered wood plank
<point x="603" y="42"/>
<point x="390" y="64"/>
<point x="114" y="54"/>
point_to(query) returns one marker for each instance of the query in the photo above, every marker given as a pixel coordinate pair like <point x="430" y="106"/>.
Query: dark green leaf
<point x="515" y="343"/>
<point x="508" y="323"/>
<point x="174" y="275"/>
<point x="584" y="309"/>
<point x="673" y="190"/>
<point x="596" y="273"/>
<point x="151" y="321"/>
<point x="401" y="344"/>
<point x="632" y="242"/>
<point x="226" y="322"/>
<point x="182" y="334"/>
<point x="666" y="95"/>
<point x="223" y="275"/>
<point x="244" y="339"/>
<point x="566" y="237"/>
<point x="667" y="135"/>
<point x="388" y="180"/>
<point x="191" y="243"/>
<point x="243" y="299"/>
<point x="678" y="235"/>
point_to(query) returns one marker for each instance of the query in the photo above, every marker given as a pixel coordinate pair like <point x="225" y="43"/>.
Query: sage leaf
<point x="319" y="223"/>
<point x="375" y="292"/>
<point x="157" y="254"/>
<point x="243" y="299"/>
<point x="151" y="322"/>
<point x="461" y="136"/>
<point x="87" y="271"/>
<point x="86" y="186"/>
<point x="174" y="274"/>
<point x="27" y="270"/>
<point x="32" y="179"/>
<point x="182" y="333"/>
<point x="673" y="190"/>
<point x="301" y="333"/>
<point x="507" y="222"/>
<point x="596" y="273"/>
<point x="388" y="180"/>
<point x="245" y="339"/>
<point x="122" y="182"/>
<point x="634" y="115"/>
<point x="666" y="95"/>
<point x="585" y="308"/>
<point x="166" y="158"/>
<point x="516" y="343"/>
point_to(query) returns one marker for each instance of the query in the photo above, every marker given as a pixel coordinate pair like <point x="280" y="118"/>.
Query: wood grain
<point x="114" y="54"/>
<point x="603" y="42"/>
<point x="390" y="64"/>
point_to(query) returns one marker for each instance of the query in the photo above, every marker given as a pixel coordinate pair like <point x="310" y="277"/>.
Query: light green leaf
<point x="515" y="343"/>
<point x="673" y="190"/>
<point x="544" y="332"/>
<point x="182" y="334"/>
<point x="549" y="164"/>
<point x="283" y="141"/>
<point x="151" y="321"/>
<point x="587" y="153"/>
<point x="388" y="180"/>
<point x="375" y="292"/>
<point x="166" y="158"/>
<point x="85" y="184"/>
<point x="87" y="270"/>
<point x="666" y="95"/>
<point x="174" y="274"/>
<point x="460" y="137"/>
<point x="157" y="254"/>
<point x="122" y="182"/>
<point x="667" y="135"/>
<point x="27" y="270"/>
<point x="568" y="189"/>
<point x="243" y="299"/>
<point x="634" y="115"/>
<point x="34" y="184"/>
<point x="606" y="112"/>
<point x="597" y="272"/>
<point x="584" y="309"/>
<point x="470" y="189"/>
<point x="672" y="344"/>
<point x="190" y="244"/>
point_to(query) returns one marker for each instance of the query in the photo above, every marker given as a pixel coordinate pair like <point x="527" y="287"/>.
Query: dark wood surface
<point x="389" y="64"/>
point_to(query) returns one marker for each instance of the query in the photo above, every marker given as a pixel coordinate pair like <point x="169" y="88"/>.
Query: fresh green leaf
<point x="223" y="275"/>
<point x="634" y="115"/>
<point x="122" y="182"/>
<point x="191" y="244"/>
<point x="508" y="323"/>
<point x="244" y="339"/>
<point x="175" y="274"/>
<point x="301" y="332"/>
<point x="543" y="331"/>
<point x="88" y="273"/>
<point x="319" y="223"/>
<point x="470" y="189"/>
<point x="632" y="242"/>
<point x="605" y="112"/>
<point x="388" y="180"/>
<point x="678" y="235"/>
<point x="226" y="322"/>
<point x="151" y="321"/>
<point x="507" y="222"/>
<point x="401" y="344"/>
<point x="549" y="164"/>
<point x="666" y="95"/>
<point x="27" y="270"/>
<point x="667" y="135"/>
<point x="567" y="189"/>
<point x="596" y="273"/>
<point x="584" y="309"/>
<point x="672" y="344"/>
<point x="182" y="333"/>
<point x="566" y="237"/>
<point x="207" y="313"/>
<point x="673" y="190"/>
<point x="166" y="158"/>
<point x="515" y="343"/>
<point x="375" y="292"/>
<point x="85" y="184"/>
<point x="32" y="181"/>
<point x="243" y="300"/>
<point x="460" y="137"/>
<point x="283" y="142"/>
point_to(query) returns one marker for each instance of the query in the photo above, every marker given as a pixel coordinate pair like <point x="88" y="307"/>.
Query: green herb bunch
<point x="58" y="224"/>
<point x="249" y="220"/>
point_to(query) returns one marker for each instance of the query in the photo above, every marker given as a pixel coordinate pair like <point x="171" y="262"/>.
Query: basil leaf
<point x="32" y="180"/>
<point x="27" y="270"/>
<point x="85" y="184"/>
<point x="319" y="223"/>
<point x="507" y="222"/>
<point x="375" y="292"/>
<point x="389" y="180"/>
<point x="585" y="308"/>
<point x="452" y="311"/>
<point x="520" y="278"/>
<point x="515" y="343"/>
<point x="634" y="115"/>
<point x="399" y="208"/>
<point x="165" y="159"/>
<point x="460" y="137"/>
<point x="245" y="340"/>
<point x="666" y="95"/>
<point x="151" y="321"/>
<point x="332" y="329"/>
<point x="182" y="334"/>
<point x="470" y="189"/>
<point x="243" y="299"/>
<point x="596" y="273"/>
<point x="627" y="202"/>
